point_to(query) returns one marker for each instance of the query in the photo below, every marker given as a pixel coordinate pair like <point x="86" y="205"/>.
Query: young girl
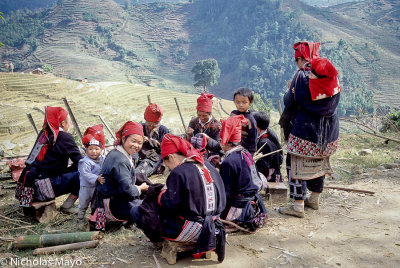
<point x="89" y="168"/>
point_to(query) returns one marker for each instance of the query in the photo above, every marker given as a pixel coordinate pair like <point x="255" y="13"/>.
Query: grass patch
<point x="351" y="144"/>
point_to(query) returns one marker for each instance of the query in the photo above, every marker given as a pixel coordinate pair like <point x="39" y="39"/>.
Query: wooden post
<point x="107" y="127"/>
<point x="32" y="123"/>
<point x="72" y="118"/>
<point x="149" y="99"/>
<point x="180" y="114"/>
<point x="280" y="114"/>
<point x="62" y="248"/>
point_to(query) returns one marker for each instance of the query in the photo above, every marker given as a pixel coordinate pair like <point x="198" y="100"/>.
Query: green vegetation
<point x="260" y="105"/>
<point x="89" y="16"/>
<point x="356" y="97"/>
<point x="47" y="68"/>
<point x="391" y="122"/>
<point x="8" y="6"/>
<point x="24" y="27"/>
<point x="206" y="73"/>
<point x="260" y="55"/>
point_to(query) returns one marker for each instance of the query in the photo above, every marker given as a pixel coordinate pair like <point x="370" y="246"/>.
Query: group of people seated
<point x="212" y="173"/>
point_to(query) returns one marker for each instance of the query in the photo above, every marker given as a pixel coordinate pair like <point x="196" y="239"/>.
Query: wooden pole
<point x="149" y="99"/>
<point x="180" y="114"/>
<point x="62" y="248"/>
<point x="30" y="118"/>
<point x="280" y="114"/>
<point x="349" y="189"/>
<point x="72" y="118"/>
<point x="107" y="127"/>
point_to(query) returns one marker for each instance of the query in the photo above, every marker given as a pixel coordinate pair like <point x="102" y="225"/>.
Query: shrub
<point x="391" y="122"/>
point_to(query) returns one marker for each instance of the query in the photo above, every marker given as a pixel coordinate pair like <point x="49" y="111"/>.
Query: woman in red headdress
<point x="190" y="204"/>
<point x="205" y="125"/>
<point x="118" y="194"/>
<point x="241" y="179"/>
<point x="311" y="126"/>
<point x="150" y="161"/>
<point x="47" y="173"/>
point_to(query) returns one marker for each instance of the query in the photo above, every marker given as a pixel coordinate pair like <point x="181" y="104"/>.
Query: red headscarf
<point x="204" y="102"/>
<point x="231" y="130"/>
<point x="153" y="113"/>
<point x="173" y="144"/>
<point x="306" y="50"/>
<point x="94" y="132"/>
<point x="53" y="117"/>
<point x="128" y="128"/>
<point x="328" y="84"/>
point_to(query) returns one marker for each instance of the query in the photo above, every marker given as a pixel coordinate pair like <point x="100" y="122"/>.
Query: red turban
<point x="306" y="50"/>
<point x="231" y="130"/>
<point x="327" y="85"/>
<point x="53" y="117"/>
<point x="96" y="133"/>
<point x="127" y="129"/>
<point x="173" y="144"/>
<point x="153" y="113"/>
<point x="204" y="102"/>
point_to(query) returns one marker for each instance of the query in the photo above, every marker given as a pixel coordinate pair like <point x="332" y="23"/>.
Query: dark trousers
<point x="66" y="183"/>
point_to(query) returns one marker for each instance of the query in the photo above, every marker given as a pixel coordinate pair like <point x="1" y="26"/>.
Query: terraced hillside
<point x="157" y="44"/>
<point x="117" y="102"/>
<point x="373" y="24"/>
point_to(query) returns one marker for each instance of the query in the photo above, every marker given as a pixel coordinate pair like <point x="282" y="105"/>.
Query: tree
<point x="206" y="73"/>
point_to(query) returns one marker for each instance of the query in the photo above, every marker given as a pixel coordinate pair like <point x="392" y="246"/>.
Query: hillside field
<point x="117" y="102"/>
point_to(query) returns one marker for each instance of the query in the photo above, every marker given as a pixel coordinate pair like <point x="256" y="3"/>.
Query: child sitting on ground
<point x="243" y="98"/>
<point x="89" y="168"/>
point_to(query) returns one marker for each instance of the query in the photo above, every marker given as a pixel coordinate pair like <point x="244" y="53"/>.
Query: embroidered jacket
<point x="189" y="201"/>
<point x="315" y="131"/>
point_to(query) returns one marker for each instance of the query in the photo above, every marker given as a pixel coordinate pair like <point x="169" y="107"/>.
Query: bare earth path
<point x="349" y="230"/>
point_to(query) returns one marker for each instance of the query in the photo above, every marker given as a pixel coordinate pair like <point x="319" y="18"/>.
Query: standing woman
<point x="313" y="137"/>
<point x="119" y="194"/>
<point x="47" y="174"/>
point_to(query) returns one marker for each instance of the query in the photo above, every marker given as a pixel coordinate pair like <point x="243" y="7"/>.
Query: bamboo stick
<point x="62" y="248"/>
<point x="72" y="118"/>
<point x="107" y="127"/>
<point x="149" y="99"/>
<point x="30" y="118"/>
<point x="256" y="158"/>
<point x="180" y="114"/>
<point x="45" y="240"/>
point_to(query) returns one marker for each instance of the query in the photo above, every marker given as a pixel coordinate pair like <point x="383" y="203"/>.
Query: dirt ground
<point x="349" y="230"/>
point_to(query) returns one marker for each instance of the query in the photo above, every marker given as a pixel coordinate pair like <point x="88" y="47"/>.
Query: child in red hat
<point x="89" y="168"/>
